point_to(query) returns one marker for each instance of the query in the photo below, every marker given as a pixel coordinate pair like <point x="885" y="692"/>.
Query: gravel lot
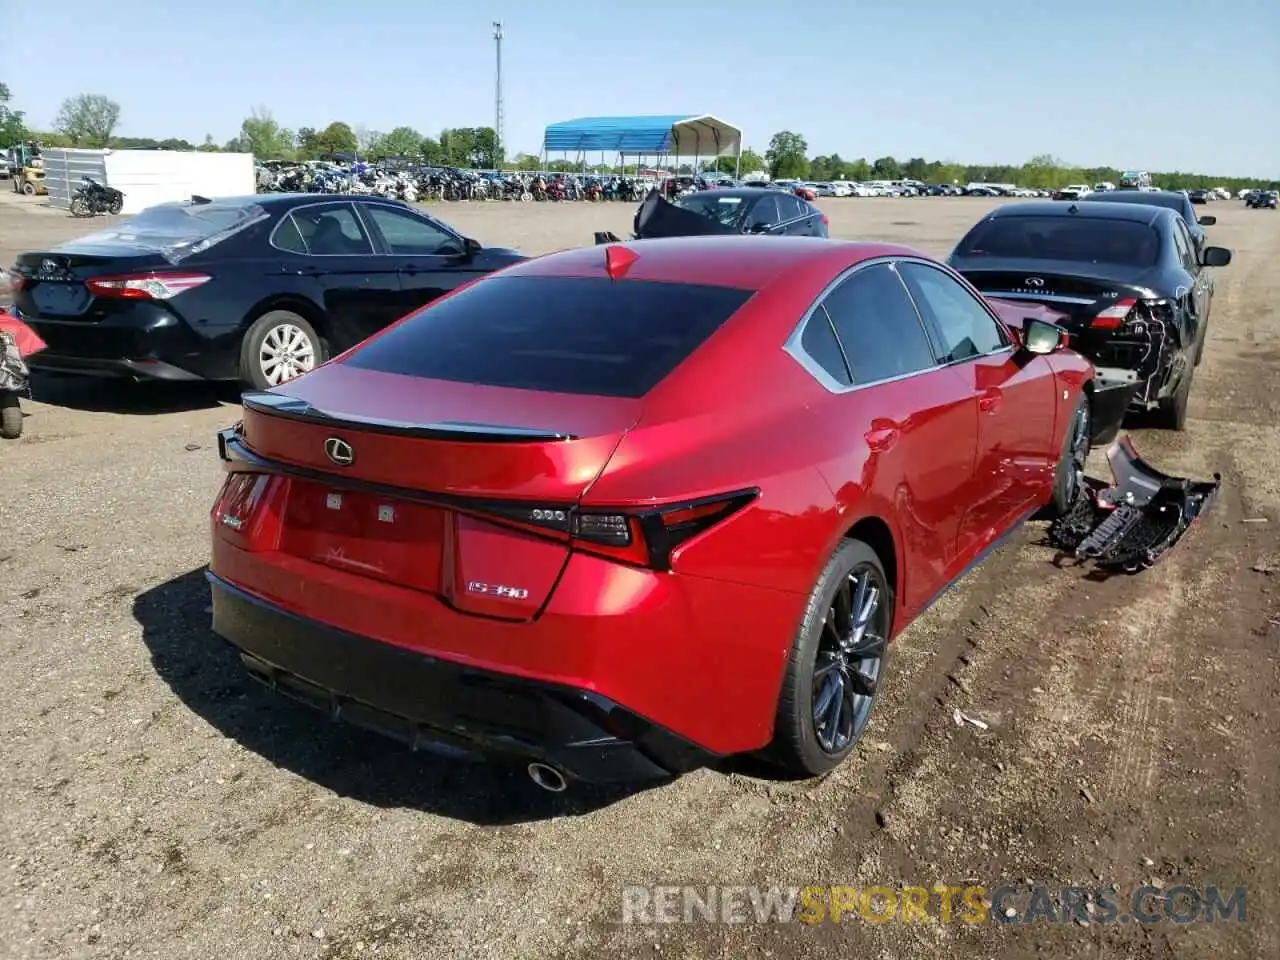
<point x="158" y="804"/>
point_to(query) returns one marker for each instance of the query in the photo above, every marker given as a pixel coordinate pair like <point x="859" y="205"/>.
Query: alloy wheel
<point x="851" y="652"/>
<point x="286" y="352"/>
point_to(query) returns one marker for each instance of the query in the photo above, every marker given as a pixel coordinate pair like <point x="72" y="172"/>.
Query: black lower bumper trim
<point x="423" y="700"/>
<point x="101" y="367"/>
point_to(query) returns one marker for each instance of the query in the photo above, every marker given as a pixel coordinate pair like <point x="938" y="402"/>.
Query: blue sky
<point x="1156" y="84"/>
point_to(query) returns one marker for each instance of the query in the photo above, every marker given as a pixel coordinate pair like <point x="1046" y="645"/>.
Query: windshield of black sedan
<point x="1078" y="239"/>
<point x="727" y="211"/>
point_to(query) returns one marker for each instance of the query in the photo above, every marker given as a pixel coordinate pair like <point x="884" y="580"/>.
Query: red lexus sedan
<point x="624" y="509"/>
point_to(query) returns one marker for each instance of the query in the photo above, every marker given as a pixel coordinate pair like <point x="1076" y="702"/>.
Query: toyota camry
<point x="625" y="509"/>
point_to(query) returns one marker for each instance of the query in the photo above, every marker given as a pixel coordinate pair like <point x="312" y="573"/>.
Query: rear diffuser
<point x="1128" y="526"/>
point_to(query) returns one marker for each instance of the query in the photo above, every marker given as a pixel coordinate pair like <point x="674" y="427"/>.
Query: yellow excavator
<point x="26" y="168"/>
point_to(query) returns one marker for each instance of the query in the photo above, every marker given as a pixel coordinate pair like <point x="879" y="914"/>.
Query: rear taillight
<point x="825" y="221"/>
<point x="17" y="280"/>
<point x="248" y="509"/>
<point x="1115" y="315"/>
<point x="145" y="286"/>
<point x="645" y="537"/>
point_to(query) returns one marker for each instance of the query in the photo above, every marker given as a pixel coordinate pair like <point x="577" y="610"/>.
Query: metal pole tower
<point x="497" y="94"/>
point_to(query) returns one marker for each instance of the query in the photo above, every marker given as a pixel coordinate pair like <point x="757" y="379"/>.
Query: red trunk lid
<point x="424" y="483"/>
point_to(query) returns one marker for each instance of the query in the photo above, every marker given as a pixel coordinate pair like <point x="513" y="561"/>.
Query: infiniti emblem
<point x="48" y="266"/>
<point x="1034" y="281"/>
<point x="339" y="451"/>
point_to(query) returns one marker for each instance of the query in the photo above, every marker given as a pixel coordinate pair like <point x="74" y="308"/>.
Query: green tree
<point x="484" y="149"/>
<point x="858" y="170"/>
<point x="88" y="120"/>
<point x="528" y="162"/>
<point x="787" y="156"/>
<point x="337" y="137"/>
<point x="917" y="168"/>
<point x="400" y="142"/>
<point x="264" y="138"/>
<point x="886" y="168"/>
<point x="208" y="146"/>
<point x="431" y="151"/>
<point x="12" y="130"/>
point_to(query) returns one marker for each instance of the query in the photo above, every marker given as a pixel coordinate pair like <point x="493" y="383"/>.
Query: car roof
<point x="1152" y="198"/>
<point x="747" y="263"/>
<point x="734" y="191"/>
<point x="1097" y="209"/>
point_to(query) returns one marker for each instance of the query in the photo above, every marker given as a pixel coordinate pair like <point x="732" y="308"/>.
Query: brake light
<point x="825" y="221"/>
<point x="17" y="280"/>
<point x="145" y="286"/>
<point x="645" y="537"/>
<point x="248" y="509"/>
<point x="1115" y="315"/>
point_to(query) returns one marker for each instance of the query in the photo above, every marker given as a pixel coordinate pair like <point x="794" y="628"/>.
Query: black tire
<point x="29" y="189"/>
<point x="1071" y="460"/>
<point x="798" y="740"/>
<point x="10" y="416"/>
<point x="79" y="207"/>
<point x="116" y="205"/>
<point x="276" y="325"/>
<point x="1173" y="409"/>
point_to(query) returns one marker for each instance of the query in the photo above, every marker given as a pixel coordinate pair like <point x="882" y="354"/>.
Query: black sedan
<point x="259" y="289"/>
<point x="1263" y="200"/>
<point x="1178" y="201"/>
<point x="1135" y="292"/>
<point x="725" y="212"/>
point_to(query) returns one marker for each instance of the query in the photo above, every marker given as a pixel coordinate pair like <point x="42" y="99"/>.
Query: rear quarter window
<point x="580" y="335"/>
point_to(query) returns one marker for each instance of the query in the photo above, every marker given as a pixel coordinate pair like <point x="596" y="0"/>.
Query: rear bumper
<point x="143" y="341"/>
<point x="420" y="699"/>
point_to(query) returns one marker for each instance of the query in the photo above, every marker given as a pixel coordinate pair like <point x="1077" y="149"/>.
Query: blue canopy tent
<point x="674" y="135"/>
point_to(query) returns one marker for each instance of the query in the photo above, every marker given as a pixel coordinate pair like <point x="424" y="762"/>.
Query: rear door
<point x="1196" y="299"/>
<point x="919" y="420"/>
<point x="1016" y="398"/>
<point x="795" y="221"/>
<point x="328" y="244"/>
<point x="763" y="215"/>
<point x="428" y="259"/>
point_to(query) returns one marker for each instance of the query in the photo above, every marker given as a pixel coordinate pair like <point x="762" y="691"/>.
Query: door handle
<point x="882" y="439"/>
<point x="990" y="400"/>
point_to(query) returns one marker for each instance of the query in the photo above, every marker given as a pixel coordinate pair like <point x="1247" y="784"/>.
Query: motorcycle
<point x="17" y="342"/>
<point x="92" y="198"/>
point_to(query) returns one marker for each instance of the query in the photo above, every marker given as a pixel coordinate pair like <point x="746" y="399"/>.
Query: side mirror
<point x="1040" y="337"/>
<point x="1207" y="221"/>
<point x="472" y="246"/>
<point x="1215" y="257"/>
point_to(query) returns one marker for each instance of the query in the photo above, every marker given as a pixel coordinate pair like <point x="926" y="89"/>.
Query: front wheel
<point x="10" y="415"/>
<point x="1075" y="451"/>
<point x="836" y="662"/>
<point x="116" y="204"/>
<point x="29" y="189"/>
<point x="280" y="346"/>
<point x="80" y="207"/>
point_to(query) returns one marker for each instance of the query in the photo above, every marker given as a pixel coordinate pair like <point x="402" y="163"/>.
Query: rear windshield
<point x="583" y="335"/>
<point x="727" y="211"/>
<point x="1075" y="238"/>
<point x="175" y="230"/>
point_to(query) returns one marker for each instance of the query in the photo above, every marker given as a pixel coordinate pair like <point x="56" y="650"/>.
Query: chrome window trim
<point x="793" y="347"/>
<point x="271" y="240"/>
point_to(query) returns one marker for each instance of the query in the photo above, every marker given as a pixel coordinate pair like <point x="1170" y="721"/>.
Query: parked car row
<point x="505" y="525"/>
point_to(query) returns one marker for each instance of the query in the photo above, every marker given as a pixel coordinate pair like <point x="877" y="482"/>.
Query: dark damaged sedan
<point x="725" y="212"/>
<point x="259" y="289"/>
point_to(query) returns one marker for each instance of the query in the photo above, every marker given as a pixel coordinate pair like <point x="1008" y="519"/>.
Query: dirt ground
<point x="157" y="804"/>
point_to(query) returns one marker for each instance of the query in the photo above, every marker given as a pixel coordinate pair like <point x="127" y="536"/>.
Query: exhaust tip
<point x="548" y="778"/>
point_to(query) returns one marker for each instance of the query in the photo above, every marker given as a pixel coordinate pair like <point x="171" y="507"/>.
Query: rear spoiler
<point x="295" y="408"/>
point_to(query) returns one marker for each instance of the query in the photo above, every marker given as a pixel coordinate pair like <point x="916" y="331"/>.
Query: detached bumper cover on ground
<point x="1131" y="524"/>
<point x="426" y="701"/>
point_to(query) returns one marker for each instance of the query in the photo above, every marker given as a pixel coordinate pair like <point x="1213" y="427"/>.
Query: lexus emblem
<point x="1034" y="282"/>
<point x="339" y="451"/>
